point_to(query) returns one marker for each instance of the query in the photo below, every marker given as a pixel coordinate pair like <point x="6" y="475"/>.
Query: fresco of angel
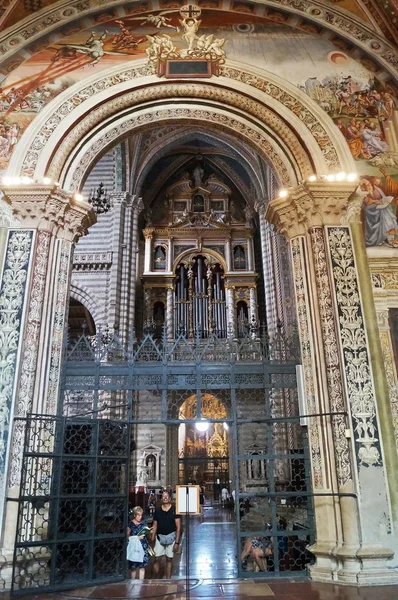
<point x="158" y="20"/>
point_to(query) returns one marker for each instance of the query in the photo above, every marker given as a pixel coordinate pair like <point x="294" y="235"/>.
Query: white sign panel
<point x="187" y="499"/>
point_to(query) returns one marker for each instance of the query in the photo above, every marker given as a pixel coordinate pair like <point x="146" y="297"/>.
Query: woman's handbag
<point x="168" y="539"/>
<point x="135" y="551"/>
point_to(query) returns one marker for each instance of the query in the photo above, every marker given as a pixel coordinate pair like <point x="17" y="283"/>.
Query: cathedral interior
<point x="199" y="280"/>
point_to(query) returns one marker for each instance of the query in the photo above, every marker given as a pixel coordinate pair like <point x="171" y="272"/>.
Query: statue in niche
<point x="197" y="176"/>
<point x="256" y="469"/>
<point x="151" y="466"/>
<point x="142" y="473"/>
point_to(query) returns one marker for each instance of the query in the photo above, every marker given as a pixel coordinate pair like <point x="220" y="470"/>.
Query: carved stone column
<point x="170" y="254"/>
<point x="268" y="267"/>
<point x="33" y="309"/>
<point x="170" y="311"/>
<point x="231" y="316"/>
<point x="135" y="209"/>
<point x="253" y="305"/>
<point x="250" y="260"/>
<point x="353" y="515"/>
<point x="228" y="255"/>
<point x="171" y="455"/>
<point x="148" y="233"/>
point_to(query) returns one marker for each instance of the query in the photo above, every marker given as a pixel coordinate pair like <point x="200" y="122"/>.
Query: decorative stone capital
<point x="119" y="198"/>
<point x="353" y="209"/>
<point x="49" y="208"/>
<point x="148" y="233"/>
<point x="260" y="206"/>
<point x="312" y="204"/>
<point x="137" y="203"/>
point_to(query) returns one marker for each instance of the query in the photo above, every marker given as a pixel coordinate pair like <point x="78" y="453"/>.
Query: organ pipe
<point x="200" y="306"/>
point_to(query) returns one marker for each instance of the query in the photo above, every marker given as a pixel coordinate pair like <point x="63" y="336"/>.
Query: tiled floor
<point x="224" y="590"/>
<point x="213" y="575"/>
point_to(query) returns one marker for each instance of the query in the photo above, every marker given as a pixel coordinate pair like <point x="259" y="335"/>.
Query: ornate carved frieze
<point x="211" y="92"/>
<point x="385" y="280"/>
<point x="219" y="121"/>
<point x="12" y="297"/>
<point x="391" y="375"/>
<point x="96" y="261"/>
<point x="49" y="208"/>
<point x="332" y="359"/>
<point x="354" y="345"/>
<point x="307" y="360"/>
<point x="309" y="205"/>
<point x="24" y="397"/>
<point x="58" y="324"/>
<point x="6" y="217"/>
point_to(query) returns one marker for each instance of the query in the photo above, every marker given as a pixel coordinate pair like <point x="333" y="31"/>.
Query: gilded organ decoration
<point x="198" y="245"/>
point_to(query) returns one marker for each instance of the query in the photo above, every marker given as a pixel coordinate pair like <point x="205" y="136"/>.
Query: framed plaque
<point x="187" y="499"/>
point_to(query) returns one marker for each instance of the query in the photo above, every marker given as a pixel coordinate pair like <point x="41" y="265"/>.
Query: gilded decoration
<point x="56" y="17"/>
<point x="206" y="48"/>
<point x="354" y="345"/>
<point x="12" y="297"/>
<point x="307" y="360"/>
<point x="332" y="361"/>
<point x="385" y="280"/>
<point x="24" y="397"/>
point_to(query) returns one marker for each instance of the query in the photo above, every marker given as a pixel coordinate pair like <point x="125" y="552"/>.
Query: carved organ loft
<point x="199" y="277"/>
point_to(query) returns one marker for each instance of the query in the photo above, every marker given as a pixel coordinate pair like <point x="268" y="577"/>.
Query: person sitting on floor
<point x="258" y="549"/>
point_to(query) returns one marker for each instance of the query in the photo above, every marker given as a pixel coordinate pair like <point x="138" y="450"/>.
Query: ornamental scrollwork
<point x="58" y="329"/>
<point x="354" y="345"/>
<point x="307" y="359"/>
<point x="12" y="295"/>
<point x="332" y="361"/>
<point x="30" y="352"/>
<point x="391" y="379"/>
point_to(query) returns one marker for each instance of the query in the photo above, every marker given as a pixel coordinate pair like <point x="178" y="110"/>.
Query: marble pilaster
<point x="35" y="279"/>
<point x="354" y="541"/>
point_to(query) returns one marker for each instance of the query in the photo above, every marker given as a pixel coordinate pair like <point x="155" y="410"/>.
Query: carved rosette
<point x="354" y="345"/>
<point x="12" y="298"/>
<point x="307" y="359"/>
<point x="330" y="345"/>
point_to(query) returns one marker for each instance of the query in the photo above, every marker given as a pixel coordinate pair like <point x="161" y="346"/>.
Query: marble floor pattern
<point x="213" y="575"/>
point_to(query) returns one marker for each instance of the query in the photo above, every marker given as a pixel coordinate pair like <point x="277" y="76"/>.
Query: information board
<point x="187" y="499"/>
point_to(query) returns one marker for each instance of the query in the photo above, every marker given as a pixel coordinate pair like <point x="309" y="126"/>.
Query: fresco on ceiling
<point x="266" y="43"/>
<point x="364" y="112"/>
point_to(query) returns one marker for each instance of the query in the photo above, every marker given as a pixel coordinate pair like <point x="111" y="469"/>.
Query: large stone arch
<point x="86" y="297"/>
<point x="18" y="41"/>
<point x="269" y="113"/>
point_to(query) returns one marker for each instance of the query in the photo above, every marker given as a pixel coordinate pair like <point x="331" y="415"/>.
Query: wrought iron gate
<point x="73" y="507"/>
<point x="144" y="385"/>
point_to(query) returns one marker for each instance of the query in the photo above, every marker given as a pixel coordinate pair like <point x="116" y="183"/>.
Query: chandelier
<point x="99" y="200"/>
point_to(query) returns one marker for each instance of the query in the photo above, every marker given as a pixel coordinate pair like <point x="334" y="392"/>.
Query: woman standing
<point x="136" y="527"/>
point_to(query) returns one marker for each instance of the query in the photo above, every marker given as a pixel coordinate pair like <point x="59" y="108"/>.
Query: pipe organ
<point x="200" y="306"/>
<point x="198" y="277"/>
